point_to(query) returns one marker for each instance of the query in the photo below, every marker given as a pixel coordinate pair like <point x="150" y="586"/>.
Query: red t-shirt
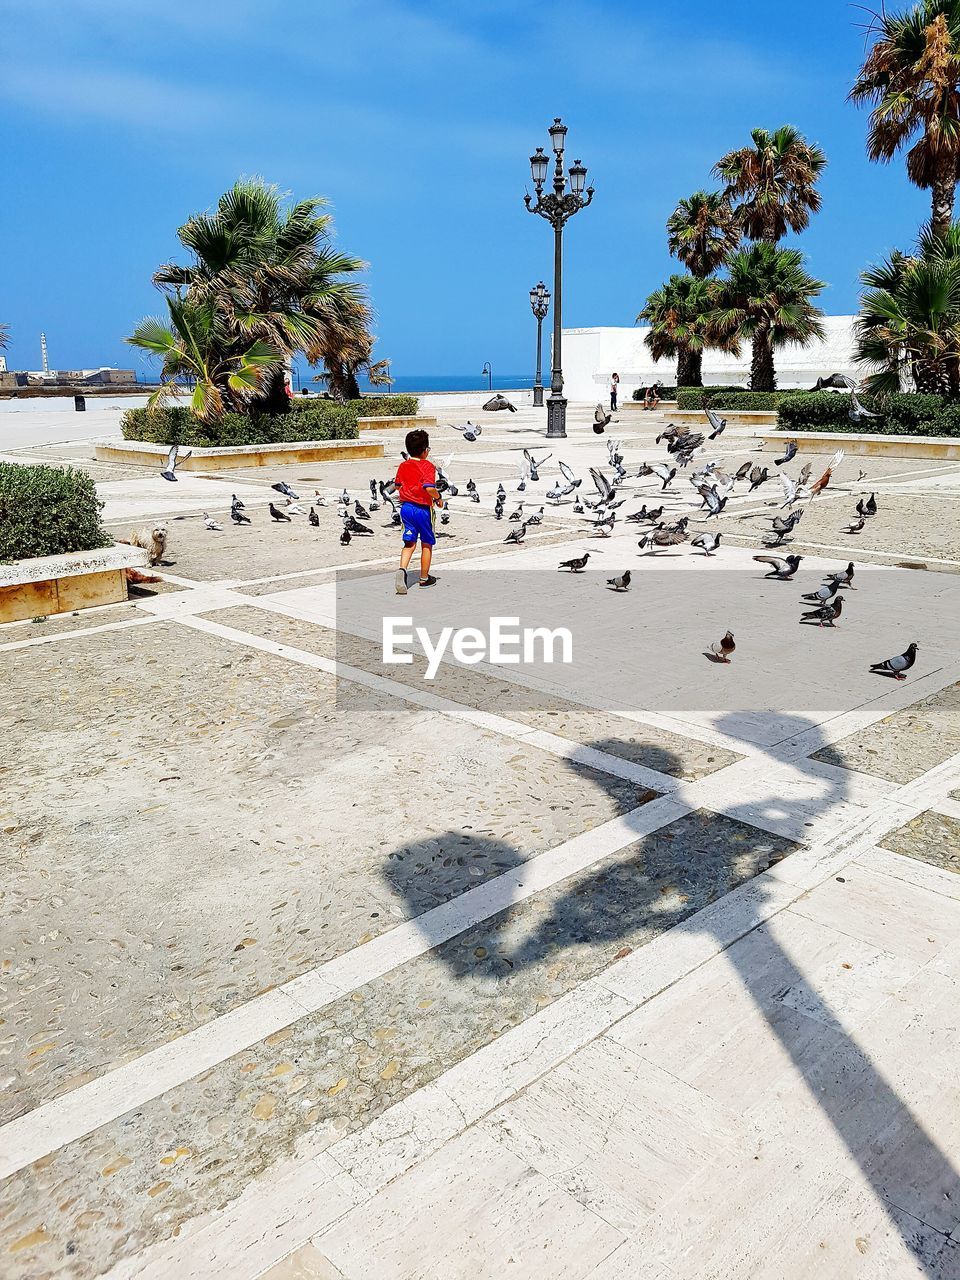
<point x="412" y="476"/>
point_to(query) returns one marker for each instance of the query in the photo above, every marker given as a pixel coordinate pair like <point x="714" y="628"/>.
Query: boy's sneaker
<point x="400" y="582"/>
<point x="428" y="581"/>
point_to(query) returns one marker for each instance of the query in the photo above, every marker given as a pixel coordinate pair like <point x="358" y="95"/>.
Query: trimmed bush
<point x="912" y="414"/>
<point x="366" y="407"/>
<point x="700" y="397"/>
<point x="821" y="411"/>
<point x="948" y="422"/>
<point x="316" y="420"/>
<point x="47" y="511"/>
<point x="906" y="414"/>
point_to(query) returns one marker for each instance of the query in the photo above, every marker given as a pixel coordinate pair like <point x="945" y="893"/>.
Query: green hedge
<point x="700" y="397"/>
<point x="316" y="420"/>
<point x="907" y="414"/>
<point x="367" y="407"/>
<point x="47" y="511"/>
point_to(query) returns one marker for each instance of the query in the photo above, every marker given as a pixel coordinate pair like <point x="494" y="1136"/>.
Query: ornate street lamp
<point x="487" y="372"/>
<point x="557" y="206"/>
<point x="540" y="305"/>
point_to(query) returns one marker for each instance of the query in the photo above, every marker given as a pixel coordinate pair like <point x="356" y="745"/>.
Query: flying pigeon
<point x="620" y="583"/>
<point x="469" y="432"/>
<point x="173" y="460"/>
<point x="898" y="666"/>
<point x="712" y="500"/>
<point x="601" y="419"/>
<point x="498" y="402"/>
<point x="819" y="485"/>
<point x="534" y="464"/>
<point x="664" y="473"/>
<point x="783" y="525"/>
<point x="804" y="475"/>
<point x="722" y="649"/>
<point x="743" y="471"/>
<point x="212" y="524"/>
<point x="857" y="412"/>
<point x="793" y="492"/>
<point x="826" y="615"/>
<point x="575" y="565"/>
<point x="718" y="424"/>
<point x="278" y="514"/>
<point x="314" y="518"/>
<point x="659" y="538"/>
<point x="758" y="476"/>
<point x="789" y="454"/>
<point x="287" y="492"/>
<point x="707" y="542"/>
<point x="784" y="569"/>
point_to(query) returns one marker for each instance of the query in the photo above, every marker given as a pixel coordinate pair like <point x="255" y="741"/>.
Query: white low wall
<point x="591" y="355"/>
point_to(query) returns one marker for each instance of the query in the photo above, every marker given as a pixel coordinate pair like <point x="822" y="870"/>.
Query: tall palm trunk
<point x="763" y="375"/>
<point x="690" y="369"/>
<point x="944" y="191"/>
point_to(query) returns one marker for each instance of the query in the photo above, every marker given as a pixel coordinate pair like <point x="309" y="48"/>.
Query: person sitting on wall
<point x="652" y="396"/>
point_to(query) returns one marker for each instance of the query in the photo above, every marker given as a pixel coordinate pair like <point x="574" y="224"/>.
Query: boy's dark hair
<point x="417" y="442"/>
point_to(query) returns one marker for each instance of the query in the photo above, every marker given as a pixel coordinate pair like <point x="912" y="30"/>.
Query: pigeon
<point x="604" y="526"/>
<point x="718" y="424"/>
<point x="826" y="615"/>
<point x="373" y="491"/>
<point x="712" y="500"/>
<point x="536" y="518"/>
<point x="857" y="526"/>
<point x="278" y="514"/>
<point x="354" y="526"/>
<point x="782" y="569"/>
<point x="578" y="508"/>
<point x="236" y="503"/>
<point x="469" y="432"/>
<point x="518" y="514"/>
<point x="845" y="579"/>
<point x="804" y="475"/>
<point x="789" y="454"/>
<point x="344" y="498"/>
<point x="516" y="535"/>
<point x="670" y="432"/>
<point x="601" y="420"/>
<point x="237" y="516"/>
<point x="722" y="649"/>
<point x="823" y="593"/>
<point x="498" y="511"/>
<point x="534" y="465"/>
<point x="577" y="564"/>
<point x="293" y="508"/>
<point x="707" y="542"/>
<point x="345" y="538"/>
<point x="444" y="517"/>
<point x="621" y="583"/>
<point x="793" y="491"/>
<point x="664" y="473"/>
<point x="444" y="483"/>
<point x="314" y="518"/>
<point x="173" y="461"/>
<point x="659" y="538"/>
<point x="857" y="412"/>
<point x="285" y="489"/>
<point x="862" y="476"/>
<point x="501" y="493"/>
<point x="320" y="501"/>
<point x="783" y="525"/>
<point x="870" y="509"/>
<point x="743" y="471"/>
<point x="472" y="493"/>
<point x="898" y="666"/>
<point x="819" y="485"/>
<point x="498" y="402"/>
<point x="758" y="477"/>
<point x="360" y="511"/>
<point x="212" y="524"/>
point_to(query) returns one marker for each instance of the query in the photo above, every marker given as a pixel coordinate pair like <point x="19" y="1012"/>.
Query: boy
<point x="417" y="489"/>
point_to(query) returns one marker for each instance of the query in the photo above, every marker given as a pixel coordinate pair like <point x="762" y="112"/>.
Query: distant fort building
<point x="590" y="355"/>
<point x="10" y="380"/>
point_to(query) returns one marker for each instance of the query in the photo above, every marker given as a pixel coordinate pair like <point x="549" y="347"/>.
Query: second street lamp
<point x="540" y="305"/>
<point x="557" y="206"/>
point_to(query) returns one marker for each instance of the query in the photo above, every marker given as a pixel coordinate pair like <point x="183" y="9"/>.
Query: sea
<point x="413" y="383"/>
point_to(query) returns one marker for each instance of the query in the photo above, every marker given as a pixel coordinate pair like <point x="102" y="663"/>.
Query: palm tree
<point x="774" y="182"/>
<point x="274" y="276"/>
<point x="193" y="345"/>
<point x="766" y="298"/>
<point x="908" y="328"/>
<point x="678" y="314"/>
<point x="702" y="231"/>
<point x="912" y="77"/>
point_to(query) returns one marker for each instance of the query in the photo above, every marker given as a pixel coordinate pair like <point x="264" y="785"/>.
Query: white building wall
<point x="591" y="355"/>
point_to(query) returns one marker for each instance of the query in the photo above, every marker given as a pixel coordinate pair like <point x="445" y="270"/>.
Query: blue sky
<point x="416" y="119"/>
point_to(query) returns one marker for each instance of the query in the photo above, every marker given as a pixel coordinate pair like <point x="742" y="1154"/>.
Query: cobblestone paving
<point x="655" y="748"/>
<point x="232" y="769"/>
<point x="902" y="746"/>
<point x="193" y="1149"/>
<point x="930" y="837"/>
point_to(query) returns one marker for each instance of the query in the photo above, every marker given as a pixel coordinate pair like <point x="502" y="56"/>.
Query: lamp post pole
<point x="557" y="206"/>
<point x="487" y="372"/>
<point x="540" y="304"/>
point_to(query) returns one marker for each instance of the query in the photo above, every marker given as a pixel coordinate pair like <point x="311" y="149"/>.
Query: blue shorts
<point x="417" y="523"/>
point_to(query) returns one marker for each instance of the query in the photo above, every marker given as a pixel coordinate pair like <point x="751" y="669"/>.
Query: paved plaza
<point x="639" y="967"/>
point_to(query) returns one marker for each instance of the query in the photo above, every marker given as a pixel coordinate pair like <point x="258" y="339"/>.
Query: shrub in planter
<point x="700" y="397"/>
<point x="824" y="411"/>
<point x="48" y="511"/>
<point x="366" y="407"/>
<point x="316" y="420"/>
<point x="911" y="414"/>
<point x="947" y="422"/>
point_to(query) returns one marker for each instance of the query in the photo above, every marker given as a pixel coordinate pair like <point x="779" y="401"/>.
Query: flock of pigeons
<point x="600" y="507"/>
